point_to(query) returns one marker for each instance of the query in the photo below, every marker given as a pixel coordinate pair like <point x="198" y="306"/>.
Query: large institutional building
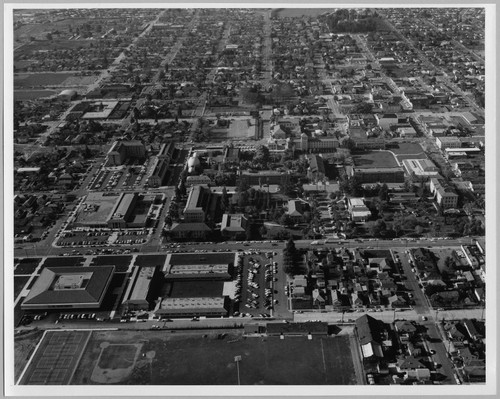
<point x="69" y="288"/>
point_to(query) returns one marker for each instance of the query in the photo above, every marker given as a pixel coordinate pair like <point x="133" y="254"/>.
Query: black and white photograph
<point x="225" y="199"/>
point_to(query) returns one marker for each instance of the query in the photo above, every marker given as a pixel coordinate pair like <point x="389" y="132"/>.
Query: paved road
<point x="25" y="250"/>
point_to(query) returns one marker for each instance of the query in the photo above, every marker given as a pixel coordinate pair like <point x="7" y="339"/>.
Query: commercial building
<point x="120" y="151"/>
<point x="69" y="288"/>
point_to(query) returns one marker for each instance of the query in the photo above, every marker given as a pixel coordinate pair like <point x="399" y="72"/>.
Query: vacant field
<point x="375" y="159"/>
<point x="24" y="345"/>
<point x="204" y="359"/>
<point x="40" y="79"/>
<point x="238" y="129"/>
<point x="19" y="283"/>
<point x="56" y="358"/>
<point x="409" y="151"/>
<point x="298" y="12"/>
<point x="150" y="260"/>
<point x="20" y="95"/>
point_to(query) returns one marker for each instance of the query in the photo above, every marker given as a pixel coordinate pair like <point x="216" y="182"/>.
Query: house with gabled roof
<point x="371" y="334"/>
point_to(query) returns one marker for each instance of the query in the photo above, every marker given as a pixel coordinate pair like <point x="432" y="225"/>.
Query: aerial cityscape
<point x="230" y="196"/>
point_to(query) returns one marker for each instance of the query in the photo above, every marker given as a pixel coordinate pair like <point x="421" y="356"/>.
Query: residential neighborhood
<point x="250" y="183"/>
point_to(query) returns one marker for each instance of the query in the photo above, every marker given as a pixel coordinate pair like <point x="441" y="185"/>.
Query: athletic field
<point x="200" y="358"/>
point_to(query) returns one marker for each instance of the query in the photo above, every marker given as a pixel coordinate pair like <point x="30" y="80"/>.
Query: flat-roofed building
<point x="448" y="142"/>
<point x="358" y="210"/>
<point x="197" y="203"/>
<point x="262" y="177"/>
<point x="192" y="307"/>
<point x="234" y="226"/>
<point x="69" y="288"/>
<point x="140" y="294"/>
<point x="122" y="211"/>
<point x="198" y="180"/>
<point x="379" y="175"/>
<point x="406" y="132"/>
<point x="120" y="151"/>
<point x="421" y="168"/>
<point x="160" y="169"/>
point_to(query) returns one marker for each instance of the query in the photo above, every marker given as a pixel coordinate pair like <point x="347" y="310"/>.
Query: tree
<point x="286" y="220"/>
<point x="383" y="192"/>
<point x="449" y="263"/>
<point x="361" y="108"/>
<point x="224" y="202"/>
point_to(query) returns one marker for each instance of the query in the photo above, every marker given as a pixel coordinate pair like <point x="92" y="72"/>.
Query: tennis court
<point x="56" y="358"/>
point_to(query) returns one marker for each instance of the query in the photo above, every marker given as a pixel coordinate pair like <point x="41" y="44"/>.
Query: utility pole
<point x="237" y="359"/>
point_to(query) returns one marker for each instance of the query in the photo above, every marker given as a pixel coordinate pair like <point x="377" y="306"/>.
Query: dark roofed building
<point x="69" y="287"/>
<point x="371" y="334"/>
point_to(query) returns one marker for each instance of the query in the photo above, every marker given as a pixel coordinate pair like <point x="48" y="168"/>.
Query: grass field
<point x="64" y="261"/>
<point x="204" y="359"/>
<point x="375" y="159"/>
<point x="150" y="260"/>
<point x="27" y="266"/>
<point x="40" y="79"/>
<point x="117" y="356"/>
<point x="20" y="95"/>
<point x="298" y="12"/>
<point x="19" y="283"/>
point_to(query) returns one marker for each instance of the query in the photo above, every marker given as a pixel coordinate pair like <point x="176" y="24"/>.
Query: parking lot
<point x="256" y="284"/>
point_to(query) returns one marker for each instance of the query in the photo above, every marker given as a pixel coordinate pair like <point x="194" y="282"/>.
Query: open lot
<point x="56" y="358"/>
<point x="237" y="129"/>
<point x="375" y="159"/>
<point x="189" y="360"/>
<point x="41" y="79"/>
<point x="20" y="95"/>
<point x="24" y="344"/>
